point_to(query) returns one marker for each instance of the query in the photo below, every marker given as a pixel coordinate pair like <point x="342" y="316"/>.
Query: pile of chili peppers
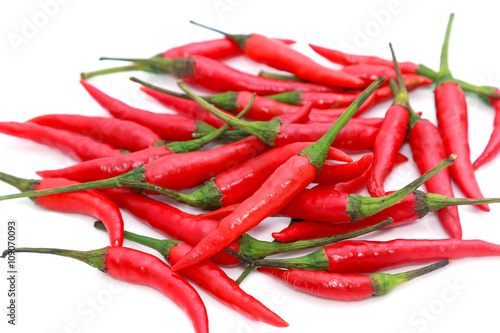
<point x="273" y="145"/>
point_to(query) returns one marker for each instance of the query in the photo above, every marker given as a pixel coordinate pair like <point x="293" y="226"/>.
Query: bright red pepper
<point x="352" y="256"/>
<point x="390" y="138"/>
<point x="137" y="267"/>
<point x="90" y="202"/>
<point x="493" y="147"/>
<point x="170" y="127"/>
<point x="280" y="56"/>
<point x="212" y="75"/>
<point x="119" y="133"/>
<point x="210" y="278"/>
<point x="451" y="111"/>
<point x="346" y="286"/>
<point x="79" y="147"/>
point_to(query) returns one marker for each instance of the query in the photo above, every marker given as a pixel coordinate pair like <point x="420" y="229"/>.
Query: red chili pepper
<point x="411" y="83"/>
<point x="212" y="75"/>
<point x="221" y="48"/>
<point x="119" y="133"/>
<point x="353" y="256"/>
<point x="208" y="276"/>
<point x="262" y="108"/>
<point x="90" y="202"/>
<point x="351" y="59"/>
<point x="169" y="127"/>
<point x="346" y="287"/>
<point x="320" y="100"/>
<point x="493" y="147"/>
<point x="451" y="111"/>
<point x="79" y="147"/>
<point x="103" y="168"/>
<point x="280" y="56"/>
<point x="134" y="266"/>
<point x="337" y="173"/>
<point x="283" y="185"/>
<point x="390" y="138"/>
<point x="368" y="72"/>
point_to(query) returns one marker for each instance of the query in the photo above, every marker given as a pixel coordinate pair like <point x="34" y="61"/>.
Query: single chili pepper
<point x="451" y="111"/>
<point x="211" y="75"/>
<point x="262" y="109"/>
<point x="280" y="56"/>
<point x="191" y="228"/>
<point x="353" y="256"/>
<point x="346" y="287"/>
<point x="339" y="173"/>
<point x="368" y="72"/>
<point x="119" y="133"/>
<point x="90" y="202"/>
<point x="169" y="127"/>
<point x="321" y="100"/>
<point x="484" y="92"/>
<point x="137" y="267"/>
<point x="353" y="137"/>
<point x="103" y="168"/>
<point x="493" y="147"/>
<point x="241" y="181"/>
<point x="79" y="147"/>
<point x="210" y="278"/>
<point x="390" y="137"/>
<point x="285" y="183"/>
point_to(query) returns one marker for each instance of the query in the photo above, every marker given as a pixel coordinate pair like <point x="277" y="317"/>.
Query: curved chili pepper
<point x="79" y="147"/>
<point x="119" y="133"/>
<point x="368" y="72"/>
<point x="353" y="256"/>
<point x="493" y="147"/>
<point x="137" y="267"/>
<point x="221" y="48"/>
<point x="346" y="287"/>
<point x="320" y="100"/>
<point x="103" y="168"/>
<point x="280" y="56"/>
<point x="283" y="185"/>
<point x="213" y="75"/>
<point x="90" y="202"/>
<point x="169" y="127"/>
<point x="338" y="173"/>
<point x="346" y="59"/>
<point x="451" y="111"/>
<point x="239" y="182"/>
<point x="210" y="278"/>
<point x="390" y="137"/>
<point x="262" y="108"/>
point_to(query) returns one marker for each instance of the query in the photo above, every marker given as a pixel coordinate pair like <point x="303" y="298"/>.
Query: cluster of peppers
<point x="265" y="168"/>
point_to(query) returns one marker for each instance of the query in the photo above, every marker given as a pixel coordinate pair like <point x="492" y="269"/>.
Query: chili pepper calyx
<point x="241" y="40"/>
<point x="21" y="184"/>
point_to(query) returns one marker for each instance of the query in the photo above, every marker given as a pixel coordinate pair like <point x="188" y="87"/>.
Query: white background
<point x="40" y="76"/>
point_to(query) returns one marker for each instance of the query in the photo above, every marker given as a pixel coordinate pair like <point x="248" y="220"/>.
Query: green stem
<point x="289" y="97"/>
<point x="241" y="40"/>
<point x="437" y="201"/>
<point x="163" y="246"/>
<point x="86" y="75"/>
<point x="280" y="76"/>
<point x="266" y="131"/>
<point x="359" y="207"/>
<point x="256" y="249"/>
<point x="382" y="283"/>
<point x="316" y="153"/>
<point x="95" y="258"/>
<point x="444" y="74"/>
<point x="21" y="184"/>
<point x="245" y="273"/>
<point x="136" y="175"/>
<point x="401" y="94"/>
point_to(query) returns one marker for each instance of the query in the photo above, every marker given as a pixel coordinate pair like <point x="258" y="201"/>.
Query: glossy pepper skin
<point x="451" y="112"/>
<point x="119" y="133"/>
<point x="493" y="147"/>
<point x="346" y="286"/>
<point x="79" y="147"/>
<point x="89" y="202"/>
<point x="137" y="267"/>
<point x="170" y="127"/>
